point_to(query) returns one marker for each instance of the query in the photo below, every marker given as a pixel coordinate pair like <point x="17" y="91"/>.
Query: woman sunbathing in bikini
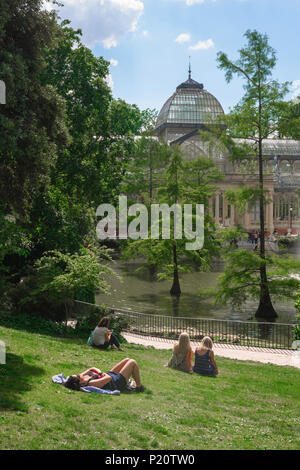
<point x="116" y="379"/>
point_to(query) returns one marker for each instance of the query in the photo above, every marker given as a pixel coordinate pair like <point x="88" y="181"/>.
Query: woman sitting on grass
<point x="205" y="363"/>
<point x="116" y="379"/>
<point x="102" y="337"/>
<point x="182" y="354"/>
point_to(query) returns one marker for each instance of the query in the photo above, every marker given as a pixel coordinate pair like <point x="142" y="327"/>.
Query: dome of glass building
<point x="191" y="104"/>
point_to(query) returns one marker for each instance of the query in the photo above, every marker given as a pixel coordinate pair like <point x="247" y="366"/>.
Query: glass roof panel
<point x="276" y="147"/>
<point x="189" y="106"/>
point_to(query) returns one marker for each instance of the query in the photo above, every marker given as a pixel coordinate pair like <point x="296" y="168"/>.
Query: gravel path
<point x="281" y="357"/>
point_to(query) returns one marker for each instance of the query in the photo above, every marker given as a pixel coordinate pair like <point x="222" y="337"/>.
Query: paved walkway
<point x="281" y="357"/>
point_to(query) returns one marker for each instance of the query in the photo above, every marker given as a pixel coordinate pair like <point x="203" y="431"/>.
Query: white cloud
<point x="198" y="2"/>
<point x="295" y="88"/>
<point x="103" y="22"/>
<point x="113" y="62"/>
<point x="184" y="37"/>
<point x="109" y="42"/>
<point x="193" y="2"/>
<point x="145" y="33"/>
<point x="202" y="45"/>
<point x="47" y="5"/>
<point x="109" y="81"/>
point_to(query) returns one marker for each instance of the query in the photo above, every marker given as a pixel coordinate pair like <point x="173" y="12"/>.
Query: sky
<point x="149" y="42"/>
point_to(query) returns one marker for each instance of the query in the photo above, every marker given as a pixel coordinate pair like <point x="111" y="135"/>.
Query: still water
<point x="139" y="292"/>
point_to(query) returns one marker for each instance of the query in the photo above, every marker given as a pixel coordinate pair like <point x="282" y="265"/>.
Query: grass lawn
<point x="248" y="406"/>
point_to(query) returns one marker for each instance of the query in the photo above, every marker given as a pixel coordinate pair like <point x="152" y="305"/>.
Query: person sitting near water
<point x="205" y="363"/>
<point x="102" y="337"/>
<point x="116" y="379"/>
<point x="182" y="354"/>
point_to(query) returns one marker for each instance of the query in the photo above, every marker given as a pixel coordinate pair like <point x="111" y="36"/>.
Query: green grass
<point x="249" y="406"/>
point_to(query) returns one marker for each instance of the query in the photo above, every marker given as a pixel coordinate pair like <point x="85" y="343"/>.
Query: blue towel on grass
<point x="59" y="379"/>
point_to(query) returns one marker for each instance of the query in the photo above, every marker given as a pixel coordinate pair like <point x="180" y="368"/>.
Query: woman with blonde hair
<point x="205" y="363"/>
<point x="182" y="354"/>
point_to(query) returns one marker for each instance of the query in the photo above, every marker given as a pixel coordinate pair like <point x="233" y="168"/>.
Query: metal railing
<point x="255" y="334"/>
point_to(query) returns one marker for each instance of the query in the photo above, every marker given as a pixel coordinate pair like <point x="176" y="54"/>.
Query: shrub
<point x="39" y="305"/>
<point x="57" y="279"/>
<point x="35" y="324"/>
<point x="297" y="328"/>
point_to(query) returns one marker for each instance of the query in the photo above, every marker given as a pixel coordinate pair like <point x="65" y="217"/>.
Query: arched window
<point x="285" y="167"/>
<point x="297" y="167"/>
<point x="255" y="212"/>
<point x="283" y="208"/>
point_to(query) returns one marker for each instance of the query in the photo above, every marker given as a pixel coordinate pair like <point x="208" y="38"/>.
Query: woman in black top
<point x="115" y="379"/>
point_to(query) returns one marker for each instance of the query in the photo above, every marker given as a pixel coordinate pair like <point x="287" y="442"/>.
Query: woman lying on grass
<point x="116" y="379"/>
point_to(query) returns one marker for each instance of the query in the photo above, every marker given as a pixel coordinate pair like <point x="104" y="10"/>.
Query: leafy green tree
<point x="102" y="129"/>
<point x="59" y="223"/>
<point x="256" y="117"/>
<point x="87" y="169"/>
<point x="14" y="242"/>
<point x="144" y="171"/>
<point x="125" y="119"/>
<point x="241" y="279"/>
<point x="184" y="182"/>
<point x="289" y="125"/>
<point x="61" y="276"/>
<point x="32" y="123"/>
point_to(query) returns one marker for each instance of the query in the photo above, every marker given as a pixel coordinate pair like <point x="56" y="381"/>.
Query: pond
<point x="137" y="291"/>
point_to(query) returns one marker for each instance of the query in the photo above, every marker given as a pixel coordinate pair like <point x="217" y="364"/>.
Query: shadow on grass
<point x="16" y="378"/>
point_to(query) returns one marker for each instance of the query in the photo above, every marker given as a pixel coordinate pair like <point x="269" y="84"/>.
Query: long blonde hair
<point x="207" y="343"/>
<point x="184" y="344"/>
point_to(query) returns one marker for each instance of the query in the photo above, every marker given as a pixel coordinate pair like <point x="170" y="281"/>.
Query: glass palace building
<point x="190" y="109"/>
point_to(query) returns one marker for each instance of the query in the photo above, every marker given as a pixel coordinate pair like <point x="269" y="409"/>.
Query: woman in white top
<point x="103" y="337"/>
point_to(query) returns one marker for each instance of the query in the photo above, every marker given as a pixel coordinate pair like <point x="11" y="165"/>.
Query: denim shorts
<point x="118" y="382"/>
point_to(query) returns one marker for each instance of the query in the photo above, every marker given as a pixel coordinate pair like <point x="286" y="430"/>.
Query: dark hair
<point x="104" y="322"/>
<point x="73" y="383"/>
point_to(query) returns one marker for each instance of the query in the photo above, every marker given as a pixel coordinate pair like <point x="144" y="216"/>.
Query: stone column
<point x="232" y="222"/>
<point x="217" y="210"/>
<point x="210" y="206"/>
<point x="224" y="211"/>
<point x="270" y="206"/>
<point x="247" y="220"/>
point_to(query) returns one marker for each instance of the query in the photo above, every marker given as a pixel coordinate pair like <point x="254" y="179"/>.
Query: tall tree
<point x="257" y="117"/>
<point x="80" y="78"/>
<point x="32" y="120"/>
<point x="89" y="168"/>
<point x="184" y="182"/>
<point x="144" y="172"/>
<point x="102" y="129"/>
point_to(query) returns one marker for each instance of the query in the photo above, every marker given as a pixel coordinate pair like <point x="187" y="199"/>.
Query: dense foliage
<point x="64" y="145"/>
<point x="177" y="182"/>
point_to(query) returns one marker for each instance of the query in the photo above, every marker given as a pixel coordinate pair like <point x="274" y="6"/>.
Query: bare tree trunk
<point x="265" y="308"/>
<point x="150" y="176"/>
<point x="175" y="289"/>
